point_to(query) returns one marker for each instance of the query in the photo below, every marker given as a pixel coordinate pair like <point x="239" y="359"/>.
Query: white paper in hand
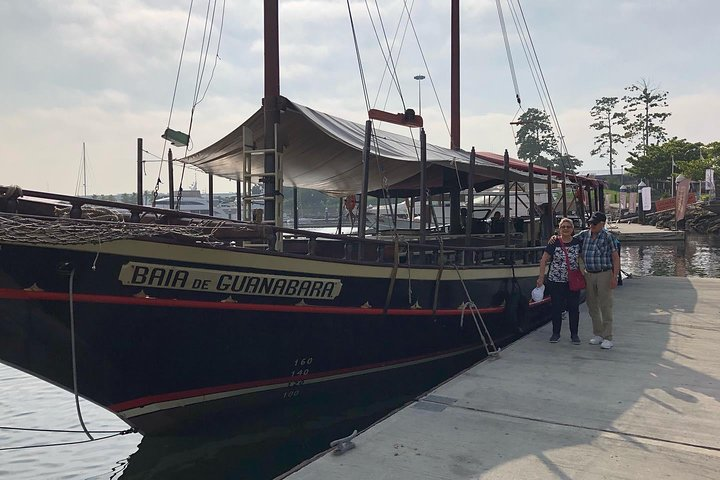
<point x="538" y="293"/>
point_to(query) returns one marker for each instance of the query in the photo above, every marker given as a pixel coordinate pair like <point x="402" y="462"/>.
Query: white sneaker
<point x="606" y="344"/>
<point x="596" y="340"/>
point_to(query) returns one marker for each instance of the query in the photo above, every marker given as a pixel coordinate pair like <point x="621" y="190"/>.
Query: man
<point x="497" y="225"/>
<point x="546" y="222"/>
<point x="602" y="266"/>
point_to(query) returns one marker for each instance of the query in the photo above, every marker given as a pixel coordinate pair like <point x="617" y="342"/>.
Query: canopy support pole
<point x="470" y="206"/>
<point x="423" y="186"/>
<point x="366" y="176"/>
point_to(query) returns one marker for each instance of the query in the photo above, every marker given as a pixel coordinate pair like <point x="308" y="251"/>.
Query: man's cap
<point x="597" y="217"/>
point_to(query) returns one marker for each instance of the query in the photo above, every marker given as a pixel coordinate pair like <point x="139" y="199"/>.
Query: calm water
<point x="698" y="256"/>
<point x="26" y="402"/>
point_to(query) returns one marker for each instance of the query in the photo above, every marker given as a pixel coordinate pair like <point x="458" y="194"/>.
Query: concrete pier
<point x="648" y="408"/>
<point x="633" y="232"/>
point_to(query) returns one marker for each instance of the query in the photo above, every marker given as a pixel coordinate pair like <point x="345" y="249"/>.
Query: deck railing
<point x="438" y="249"/>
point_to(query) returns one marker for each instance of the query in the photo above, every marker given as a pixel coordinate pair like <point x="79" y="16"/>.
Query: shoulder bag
<point x="576" y="280"/>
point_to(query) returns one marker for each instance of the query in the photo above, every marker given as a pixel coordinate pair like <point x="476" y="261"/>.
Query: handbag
<point x="576" y="280"/>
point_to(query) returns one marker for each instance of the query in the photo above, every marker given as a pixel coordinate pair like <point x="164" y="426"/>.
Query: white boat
<point x="193" y="201"/>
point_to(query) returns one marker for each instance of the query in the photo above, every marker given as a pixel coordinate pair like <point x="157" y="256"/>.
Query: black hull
<point x="170" y="360"/>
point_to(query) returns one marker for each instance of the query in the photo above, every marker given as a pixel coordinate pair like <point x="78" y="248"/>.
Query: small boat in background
<point x="193" y="201"/>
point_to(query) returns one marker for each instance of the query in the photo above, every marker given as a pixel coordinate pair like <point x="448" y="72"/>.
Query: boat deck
<point x="648" y="408"/>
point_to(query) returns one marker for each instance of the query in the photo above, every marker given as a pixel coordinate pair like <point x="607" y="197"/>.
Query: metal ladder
<point x="249" y="154"/>
<point x="488" y="343"/>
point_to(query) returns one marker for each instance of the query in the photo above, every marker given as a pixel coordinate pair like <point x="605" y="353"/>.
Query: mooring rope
<point x="74" y="358"/>
<point x="60" y="444"/>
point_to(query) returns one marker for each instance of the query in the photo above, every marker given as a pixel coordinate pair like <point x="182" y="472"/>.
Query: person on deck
<point x="497" y="225"/>
<point x="546" y="222"/>
<point x="602" y="267"/>
<point x="563" y="253"/>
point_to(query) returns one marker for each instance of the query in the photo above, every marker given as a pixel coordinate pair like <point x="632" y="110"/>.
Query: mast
<point x="84" y="169"/>
<point x="455" y="226"/>
<point x="271" y="108"/>
<point x="455" y="76"/>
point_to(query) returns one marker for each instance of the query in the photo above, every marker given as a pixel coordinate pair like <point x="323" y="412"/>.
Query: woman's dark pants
<point x="563" y="299"/>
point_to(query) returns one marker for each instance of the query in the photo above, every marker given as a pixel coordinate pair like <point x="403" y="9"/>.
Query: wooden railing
<point x="437" y="250"/>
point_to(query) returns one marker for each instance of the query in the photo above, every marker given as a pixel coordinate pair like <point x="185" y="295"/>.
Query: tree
<point x="571" y="163"/>
<point x="606" y="117"/>
<point x="657" y="167"/>
<point x="712" y="150"/>
<point x="536" y="140"/>
<point x="693" y="161"/>
<point x="644" y="121"/>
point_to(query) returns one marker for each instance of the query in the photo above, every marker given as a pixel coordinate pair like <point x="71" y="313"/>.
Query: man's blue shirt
<point x="597" y="252"/>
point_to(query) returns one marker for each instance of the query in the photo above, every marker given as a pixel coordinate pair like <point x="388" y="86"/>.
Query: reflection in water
<point x="265" y="455"/>
<point x="698" y="256"/>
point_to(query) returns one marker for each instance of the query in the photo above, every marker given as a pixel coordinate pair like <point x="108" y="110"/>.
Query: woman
<point x="561" y="253"/>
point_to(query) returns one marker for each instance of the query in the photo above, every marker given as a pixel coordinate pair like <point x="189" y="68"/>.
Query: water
<point x="30" y="403"/>
<point x="698" y="256"/>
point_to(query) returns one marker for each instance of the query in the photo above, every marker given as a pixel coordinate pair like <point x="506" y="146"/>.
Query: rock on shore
<point x="697" y="220"/>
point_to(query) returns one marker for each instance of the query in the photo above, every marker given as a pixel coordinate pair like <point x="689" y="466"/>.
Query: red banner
<point x="665" y="204"/>
<point x="681" y="198"/>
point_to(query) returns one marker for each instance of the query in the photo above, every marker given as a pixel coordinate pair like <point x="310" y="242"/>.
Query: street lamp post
<point x="419" y="78"/>
<point x="622" y="175"/>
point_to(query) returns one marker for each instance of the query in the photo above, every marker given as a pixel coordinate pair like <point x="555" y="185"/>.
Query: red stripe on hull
<point x="13" y="294"/>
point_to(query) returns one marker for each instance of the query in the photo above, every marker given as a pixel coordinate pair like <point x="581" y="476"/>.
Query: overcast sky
<point x="103" y="73"/>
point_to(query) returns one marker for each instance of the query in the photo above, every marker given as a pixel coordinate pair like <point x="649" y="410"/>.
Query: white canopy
<point x="323" y="152"/>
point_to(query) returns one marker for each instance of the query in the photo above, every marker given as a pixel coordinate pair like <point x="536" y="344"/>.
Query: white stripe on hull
<point x="170" y="404"/>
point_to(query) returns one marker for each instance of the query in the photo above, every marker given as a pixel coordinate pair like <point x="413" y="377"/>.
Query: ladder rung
<point x="258" y="197"/>
<point x="250" y="175"/>
<point x="259" y="151"/>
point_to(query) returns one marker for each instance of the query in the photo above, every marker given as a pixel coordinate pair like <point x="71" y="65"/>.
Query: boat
<point x="193" y="201"/>
<point x="176" y="321"/>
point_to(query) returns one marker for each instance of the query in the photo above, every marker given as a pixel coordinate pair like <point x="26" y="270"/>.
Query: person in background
<point x="565" y="250"/>
<point x="497" y="225"/>
<point x="463" y="218"/>
<point x="602" y="267"/>
<point x="546" y="222"/>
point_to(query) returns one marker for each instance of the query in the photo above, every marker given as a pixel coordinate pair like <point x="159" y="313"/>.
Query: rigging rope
<point x="202" y="63"/>
<point x="388" y="61"/>
<point x="174" y="95"/>
<point x="509" y="53"/>
<point x="385" y="70"/>
<point x="359" y="60"/>
<point x="545" y="87"/>
<point x="528" y="57"/>
<point x="427" y="69"/>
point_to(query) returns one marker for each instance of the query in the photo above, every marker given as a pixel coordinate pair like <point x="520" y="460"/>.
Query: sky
<point x="104" y="74"/>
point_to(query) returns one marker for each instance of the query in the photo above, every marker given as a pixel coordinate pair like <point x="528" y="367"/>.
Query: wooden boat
<point x="177" y="321"/>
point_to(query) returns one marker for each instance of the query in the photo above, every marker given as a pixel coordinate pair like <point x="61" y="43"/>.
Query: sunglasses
<point x="566" y="226"/>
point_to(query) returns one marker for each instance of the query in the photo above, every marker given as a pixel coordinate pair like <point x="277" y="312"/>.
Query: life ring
<point x="350" y="203"/>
